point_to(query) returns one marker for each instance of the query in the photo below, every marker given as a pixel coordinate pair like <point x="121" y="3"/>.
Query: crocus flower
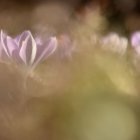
<point x="24" y="49"/>
<point x="135" y="41"/>
<point x="115" y="43"/>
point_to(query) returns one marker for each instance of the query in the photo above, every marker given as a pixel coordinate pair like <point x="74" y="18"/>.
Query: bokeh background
<point x="18" y="15"/>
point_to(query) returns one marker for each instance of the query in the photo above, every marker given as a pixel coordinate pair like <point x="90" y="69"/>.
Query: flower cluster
<point x="25" y="49"/>
<point x="29" y="51"/>
<point x="119" y="44"/>
<point x="115" y="43"/>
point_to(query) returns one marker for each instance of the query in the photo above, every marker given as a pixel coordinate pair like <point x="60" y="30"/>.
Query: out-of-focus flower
<point x="24" y="49"/>
<point x="135" y="41"/>
<point x="115" y="43"/>
<point x="65" y="46"/>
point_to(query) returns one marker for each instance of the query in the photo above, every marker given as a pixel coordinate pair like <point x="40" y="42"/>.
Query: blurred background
<point x="19" y="15"/>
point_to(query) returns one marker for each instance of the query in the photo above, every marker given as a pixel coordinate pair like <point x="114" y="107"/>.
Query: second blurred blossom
<point x="115" y="43"/>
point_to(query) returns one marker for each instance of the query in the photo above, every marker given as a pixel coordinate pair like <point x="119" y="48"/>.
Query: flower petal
<point x="28" y="48"/>
<point x="8" y="43"/>
<point x="38" y="41"/>
<point x="17" y="38"/>
<point x="22" y="37"/>
<point x="11" y="45"/>
<point x="4" y="42"/>
<point x="46" y="50"/>
<point x="135" y="39"/>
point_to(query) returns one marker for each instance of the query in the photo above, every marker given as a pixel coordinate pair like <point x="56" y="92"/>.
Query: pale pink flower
<point x="24" y="49"/>
<point x="115" y="43"/>
<point x="135" y="41"/>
